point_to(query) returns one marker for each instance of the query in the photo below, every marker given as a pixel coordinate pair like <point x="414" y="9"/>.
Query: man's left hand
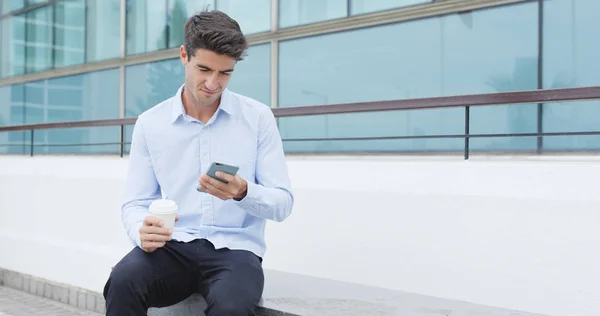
<point x="236" y="187"/>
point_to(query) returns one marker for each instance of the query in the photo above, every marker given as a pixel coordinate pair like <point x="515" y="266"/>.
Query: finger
<point x="155" y="230"/>
<point x="205" y="178"/>
<point x="208" y="187"/>
<point x="225" y="176"/>
<point x="152" y="221"/>
<point x="153" y="244"/>
<point x="155" y="237"/>
<point x="218" y="192"/>
<point x="214" y="182"/>
<point x="176" y="218"/>
<point x="212" y="190"/>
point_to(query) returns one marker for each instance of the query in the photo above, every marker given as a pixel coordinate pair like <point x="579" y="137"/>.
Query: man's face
<point x="206" y="74"/>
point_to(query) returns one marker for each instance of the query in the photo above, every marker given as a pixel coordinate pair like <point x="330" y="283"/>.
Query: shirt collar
<point x="178" y="109"/>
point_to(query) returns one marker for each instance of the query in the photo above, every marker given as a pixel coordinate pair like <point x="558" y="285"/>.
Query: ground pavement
<point x="19" y="303"/>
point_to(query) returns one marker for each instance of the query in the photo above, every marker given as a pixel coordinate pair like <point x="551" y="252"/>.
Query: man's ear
<point x="183" y="55"/>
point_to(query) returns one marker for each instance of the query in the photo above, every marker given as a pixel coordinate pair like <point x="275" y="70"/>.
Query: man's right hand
<point x="153" y="235"/>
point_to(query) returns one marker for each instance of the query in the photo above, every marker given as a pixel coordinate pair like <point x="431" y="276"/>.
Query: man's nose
<point x="212" y="83"/>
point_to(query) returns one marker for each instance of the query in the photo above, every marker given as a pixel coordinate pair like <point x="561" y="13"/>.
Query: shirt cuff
<point x="250" y="201"/>
<point x="134" y="234"/>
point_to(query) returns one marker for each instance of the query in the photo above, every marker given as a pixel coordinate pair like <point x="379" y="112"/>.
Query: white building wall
<point x="519" y="233"/>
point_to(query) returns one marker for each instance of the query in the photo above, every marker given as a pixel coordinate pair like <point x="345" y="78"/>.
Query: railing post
<point x="31" y="145"/>
<point x="467" y="108"/>
<point x="122" y="140"/>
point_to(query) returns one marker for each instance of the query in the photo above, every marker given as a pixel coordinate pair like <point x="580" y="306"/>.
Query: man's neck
<point x="197" y="111"/>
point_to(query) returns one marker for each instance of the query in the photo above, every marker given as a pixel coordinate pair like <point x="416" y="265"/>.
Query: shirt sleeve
<point x="141" y="186"/>
<point x="270" y="196"/>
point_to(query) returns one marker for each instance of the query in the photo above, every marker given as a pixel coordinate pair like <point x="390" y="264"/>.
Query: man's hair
<point x="215" y="31"/>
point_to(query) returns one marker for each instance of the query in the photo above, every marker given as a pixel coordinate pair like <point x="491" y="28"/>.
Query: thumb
<point x="176" y="218"/>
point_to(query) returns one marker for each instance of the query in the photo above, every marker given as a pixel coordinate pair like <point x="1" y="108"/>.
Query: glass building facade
<point x="70" y="60"/>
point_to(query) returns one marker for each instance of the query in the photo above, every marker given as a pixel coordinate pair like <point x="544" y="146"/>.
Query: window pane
<point x="299" y="12"/>
<point x="12" y="49"/>
<point x="367" y="6"/>
<point x="12" y="113"/>
<point x="252" y="76"/>
<point x="179" y="11"/>
<point x="146" y="26"/>
<point x="103" y="29"/>
<point x="253" y="16"/>
<point x="88" y="96"/>
<point x="433" y="65"/>
<point x="571" y="51"/>
<point x="147" y="85"/>
<point x="69" y="28"/>
<point x="12" y="5"/>
<point x="501" y="57"/>
<point x="355" y="73"/>
<point x="39" y="39"/>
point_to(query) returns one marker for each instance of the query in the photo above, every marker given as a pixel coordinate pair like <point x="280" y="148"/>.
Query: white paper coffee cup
<point x="166" y="210"/>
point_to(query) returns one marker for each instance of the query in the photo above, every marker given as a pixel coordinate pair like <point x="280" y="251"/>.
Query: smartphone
<point x="218" y="166"/>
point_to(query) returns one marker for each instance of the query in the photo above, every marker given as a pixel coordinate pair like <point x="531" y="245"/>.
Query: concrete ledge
<point x="196" y="302"/>
<point x="286" y="294"/>
<point x="189" y="306"/>
<point x="94" y="301"/>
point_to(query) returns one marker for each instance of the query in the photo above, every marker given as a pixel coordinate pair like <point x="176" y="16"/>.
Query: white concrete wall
<point x="516" y="233"/>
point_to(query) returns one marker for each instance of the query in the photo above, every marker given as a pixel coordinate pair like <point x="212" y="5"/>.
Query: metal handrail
<point x="466" y="101"/>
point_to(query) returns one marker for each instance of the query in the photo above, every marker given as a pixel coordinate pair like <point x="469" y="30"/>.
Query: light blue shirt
<point x="170" y="150"/>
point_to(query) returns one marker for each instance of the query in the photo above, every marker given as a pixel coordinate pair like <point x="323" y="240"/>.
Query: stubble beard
<point x="206" y="102"/>
<point x="198" y="100"/>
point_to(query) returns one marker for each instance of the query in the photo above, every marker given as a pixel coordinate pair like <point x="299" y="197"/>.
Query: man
<point x="217" y="244"/>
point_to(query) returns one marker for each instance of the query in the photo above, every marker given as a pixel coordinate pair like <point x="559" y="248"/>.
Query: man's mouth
<point x="209" y="92"/>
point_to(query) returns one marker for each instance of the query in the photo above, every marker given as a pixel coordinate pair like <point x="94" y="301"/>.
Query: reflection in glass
<point x="103" y="29"/>
<point x="39" y="39"/>
<point x="80" y="97"/>
<point x="368" y="6"/>
<point x="252" y="76"/>
<point x="356" y="73"/>
<point x="571" y="50"/>
<point x="501" y="59"/>
<point x="12" y="113"/>
<point x="147" y="85"/>
<point x="253" y="16"/>
<point x="146" y="26"/>
<point x="11" y="5"/>
<point x="179" y="11"/>
<point x="299" y="12"/>
<point x="12" y="50"/>
<point x="69" y="29"/>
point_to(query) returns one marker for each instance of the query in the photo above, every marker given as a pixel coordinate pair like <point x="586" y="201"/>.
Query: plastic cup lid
<point x="163" y="206"/>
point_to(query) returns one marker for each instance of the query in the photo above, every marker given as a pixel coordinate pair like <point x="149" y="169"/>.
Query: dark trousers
<point x="231" y="281"/>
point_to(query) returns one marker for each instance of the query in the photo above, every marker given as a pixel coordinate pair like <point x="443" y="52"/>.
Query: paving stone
<point x="26" y="282"/>
<point x="81" y="299"/>
<point x="19" y="303"/>
<point x="60" y="294"/>
<point x="32" y="285"/>
<point x="73" y="296"/>
<point x="90" y="301"/>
